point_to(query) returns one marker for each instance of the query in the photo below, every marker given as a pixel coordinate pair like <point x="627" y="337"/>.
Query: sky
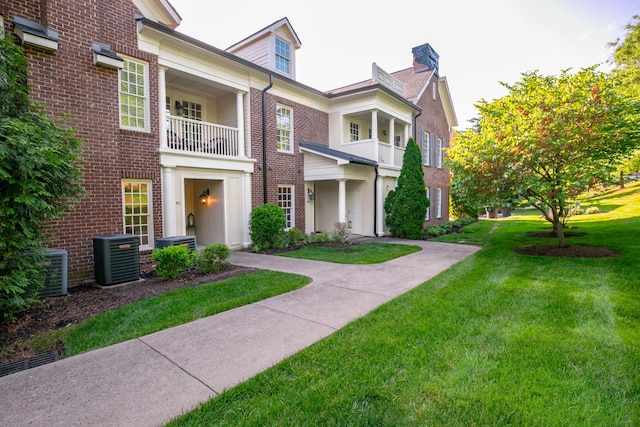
<point x="481" y="43"/>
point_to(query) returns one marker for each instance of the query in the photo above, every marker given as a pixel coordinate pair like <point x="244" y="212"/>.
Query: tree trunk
<point x="621" y="179"/>
<point x="559" y="230"/>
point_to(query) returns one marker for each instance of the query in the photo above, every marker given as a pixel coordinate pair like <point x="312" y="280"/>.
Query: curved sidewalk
<point x="148" y="381"/>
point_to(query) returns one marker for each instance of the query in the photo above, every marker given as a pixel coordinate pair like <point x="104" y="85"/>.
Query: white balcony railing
<point x="201" y="137"/>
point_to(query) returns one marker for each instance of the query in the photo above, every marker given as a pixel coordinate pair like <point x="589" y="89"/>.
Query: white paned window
<point x="284" y="128"/>
<point x="283" y="56"/>
<point x="136" y="208"/>
<point x="285" y="201"/>
<point x="354" y="132"/>
<point x="439" y="153"/>
<point x="426" y="148"/>
<point x="134" y="95"/>
<point x="438" y="206"/>
<point x="428" y="216"/>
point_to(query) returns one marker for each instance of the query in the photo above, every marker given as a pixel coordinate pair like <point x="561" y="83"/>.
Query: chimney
<point x="425" y="59"/>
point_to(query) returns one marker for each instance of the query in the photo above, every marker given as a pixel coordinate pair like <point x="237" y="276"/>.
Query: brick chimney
<point x="425" y="58"/>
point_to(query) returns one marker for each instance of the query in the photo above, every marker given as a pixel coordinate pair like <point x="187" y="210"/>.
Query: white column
<point x="379" y="226"/>
<point x="342" y="200"/>
<point x="374" y="131"/>
<point x="168" y="202"/>
<point x="162" y="110"/>
<point x="392" y="132"/>
<point x="246" y="208"/>
<point x="240" y="124"/>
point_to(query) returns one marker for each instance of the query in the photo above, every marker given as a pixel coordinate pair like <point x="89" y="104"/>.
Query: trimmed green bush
<point x="214" y="258"/>
<point x="296" y="236"/>
<point x="172" y="260"/>
<point x="410" y="202"/>
<point x="266" y="226"/>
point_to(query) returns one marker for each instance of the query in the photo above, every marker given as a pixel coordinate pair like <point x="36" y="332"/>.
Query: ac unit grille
<point x="116" y="259"/>
<point x="188" y="241"/>
<point x="56" y="273"/>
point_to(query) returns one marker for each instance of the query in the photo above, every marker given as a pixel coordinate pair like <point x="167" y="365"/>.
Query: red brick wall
<point x="434" y="120"/>
<point x="283" y="168"/>
<point x="67" y="81"/>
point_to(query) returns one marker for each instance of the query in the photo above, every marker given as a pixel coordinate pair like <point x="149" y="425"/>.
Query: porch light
<point x="310" y="194"/>
<point x="204" y="196"/>
<point x="350" y="225"/>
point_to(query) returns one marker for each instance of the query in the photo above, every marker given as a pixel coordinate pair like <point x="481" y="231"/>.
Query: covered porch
<point x="341" y="187"/>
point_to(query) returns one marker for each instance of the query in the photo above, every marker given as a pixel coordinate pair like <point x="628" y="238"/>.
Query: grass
<point x="498" y="339"/>
<point x="366" y="253"/>
<point x="170" y="309"/>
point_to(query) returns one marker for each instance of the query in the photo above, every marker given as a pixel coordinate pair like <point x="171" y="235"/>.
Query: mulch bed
<point x="83" y="301"/>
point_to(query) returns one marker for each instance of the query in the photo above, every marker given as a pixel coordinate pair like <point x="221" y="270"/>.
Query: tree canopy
<point x="549" y="140"/>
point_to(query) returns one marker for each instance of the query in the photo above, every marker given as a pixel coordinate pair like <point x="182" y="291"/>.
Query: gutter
<point x="264" y="138"/>
<point x="415" y="127"/>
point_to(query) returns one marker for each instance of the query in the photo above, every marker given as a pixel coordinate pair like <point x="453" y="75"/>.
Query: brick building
<point x="183" y="138"/>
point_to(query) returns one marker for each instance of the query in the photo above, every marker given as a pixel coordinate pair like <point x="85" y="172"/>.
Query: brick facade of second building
<point x="284" y="168"/>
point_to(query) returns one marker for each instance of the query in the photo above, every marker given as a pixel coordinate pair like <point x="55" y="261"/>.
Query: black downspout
<point x="415" y="127"/>
<point x="375" y="201"/>
<point x="264" y="138"/>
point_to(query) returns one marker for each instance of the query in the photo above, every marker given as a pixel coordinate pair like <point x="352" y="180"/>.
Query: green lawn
<point x="498" y="339"/>
<point x="366" y="253"/>
<point x="170" y="309"/>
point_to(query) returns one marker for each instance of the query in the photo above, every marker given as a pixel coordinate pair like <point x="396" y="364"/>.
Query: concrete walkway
<point x="148" y="381"/>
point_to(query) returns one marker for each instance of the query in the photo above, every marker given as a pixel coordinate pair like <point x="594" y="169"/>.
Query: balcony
<point x="384" y="153"/>
<point x="198" y="137"/>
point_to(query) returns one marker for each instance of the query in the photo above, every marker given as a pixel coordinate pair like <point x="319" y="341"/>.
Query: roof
<point x="284" y="22"/>
<point x="414" y="83"/>
<point x="336" y="154"/>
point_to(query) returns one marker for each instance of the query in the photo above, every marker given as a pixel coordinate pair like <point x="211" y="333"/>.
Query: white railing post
<point x="240" y="125"/>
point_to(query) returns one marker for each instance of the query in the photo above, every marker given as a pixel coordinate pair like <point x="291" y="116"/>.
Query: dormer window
<point x="283" y="56"/>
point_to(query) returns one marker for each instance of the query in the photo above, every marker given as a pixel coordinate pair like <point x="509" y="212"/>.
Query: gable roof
<point x="414" y="83"/>
<point x="340" y="156"/>
<point x="159" y="11"/>
<point x="267" y="30"/>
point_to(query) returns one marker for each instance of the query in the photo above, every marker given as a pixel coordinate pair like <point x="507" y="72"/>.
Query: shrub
<point x="266" y="226"/>
<point x="465" y="220"/>
<point x="40" y="179"/>
<point x="214" y="258"/>
<point x="341" y="235"/>
<point x="296" y="236"/>
<point x="409" y="202"/>
<point x="592" y="210"/>
<point x="321" y="237"/>
<point x="436" y="230"/>
<point x="172" y="260"/>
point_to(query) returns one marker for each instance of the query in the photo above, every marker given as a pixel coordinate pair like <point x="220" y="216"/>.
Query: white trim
<point x="291" y="144"/>
<point x="150" y="232"/>
<point x="292" y="208"/>
<point x="147" y="114"/>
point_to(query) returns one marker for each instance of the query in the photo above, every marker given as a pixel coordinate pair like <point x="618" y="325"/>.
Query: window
<point x="354" y="132"/>
<point x="283" y="56"/>
<point x="284" y="128"/>
<point x="439" y="153"/>
<point x="285" y="201"/>
<point x="433" y="86"/>
<point x="428" y="216"/>
<point x="136" y="203"/>
<point x="134" y="96"/>
<point x="438" y="204"/>
<point x="426" y="148"/>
